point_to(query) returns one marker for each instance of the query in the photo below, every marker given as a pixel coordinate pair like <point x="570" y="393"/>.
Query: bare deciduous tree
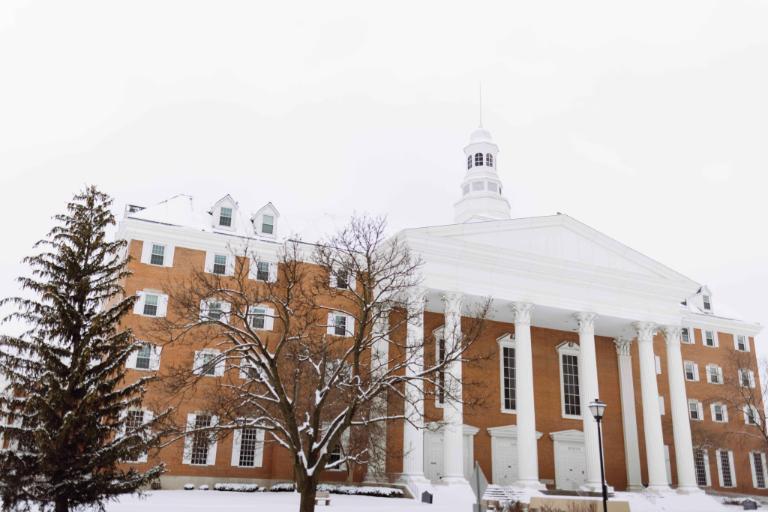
<point x="311" y="353"/>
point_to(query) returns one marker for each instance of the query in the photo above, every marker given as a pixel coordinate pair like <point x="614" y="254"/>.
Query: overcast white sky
<point x="647" y="121"/>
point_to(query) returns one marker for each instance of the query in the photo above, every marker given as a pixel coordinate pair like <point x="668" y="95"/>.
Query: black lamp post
<point x="597" y="408"/>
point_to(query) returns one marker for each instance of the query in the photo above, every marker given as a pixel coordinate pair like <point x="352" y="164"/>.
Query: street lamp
<point x="597" y="408"/>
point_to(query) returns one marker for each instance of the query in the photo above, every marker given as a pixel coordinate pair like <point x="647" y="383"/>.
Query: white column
<point x="654" y="438"/>
<point x="527" y="448"/>
<point x="453" y="412"/>
<point x="376" y="468"/>
<point x="681" y="426"/>
<point x="413" y="437"/>
<point x="589" y="391"/>
<point x="628" y="416"/>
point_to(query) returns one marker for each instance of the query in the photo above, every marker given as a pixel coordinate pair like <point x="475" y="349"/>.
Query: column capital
<point x="586" y="320"/>
<point x="522" y="312"/>
<point x="452" y="300"/>
<point x="645" y="330"/>
<point x="415" y="299"/>
<point x="671" y="334"/>
<point x="623" y="346"/>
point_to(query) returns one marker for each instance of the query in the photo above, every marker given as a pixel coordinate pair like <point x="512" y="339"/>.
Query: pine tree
<point x="68" y="420"/>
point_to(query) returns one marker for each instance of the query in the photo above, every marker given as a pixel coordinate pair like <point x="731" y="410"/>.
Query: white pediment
<point x="556" y="238"/>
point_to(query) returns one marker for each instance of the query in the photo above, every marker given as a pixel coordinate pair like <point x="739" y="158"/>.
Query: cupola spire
<point x="481" y="191"/>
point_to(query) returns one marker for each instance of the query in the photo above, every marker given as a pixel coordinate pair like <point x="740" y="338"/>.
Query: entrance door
<point x="504" y="454"/>
<point x="433" y="455"/>
<point x="571" y="465"/>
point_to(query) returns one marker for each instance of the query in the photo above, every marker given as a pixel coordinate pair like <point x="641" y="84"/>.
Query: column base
<point x="417" y="483"/>
<point x="530" y="484"/>
<point x="689" y="489"/>
<point x="596" y="487"/>
<point x="658" y="489"/>
<point x="635" y="488"/>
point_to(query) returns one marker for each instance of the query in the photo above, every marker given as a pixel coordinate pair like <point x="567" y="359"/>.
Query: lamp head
<point x="597" y="408"/>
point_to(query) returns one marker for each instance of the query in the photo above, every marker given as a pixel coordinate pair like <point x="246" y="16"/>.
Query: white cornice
<point x="721" y="324"/>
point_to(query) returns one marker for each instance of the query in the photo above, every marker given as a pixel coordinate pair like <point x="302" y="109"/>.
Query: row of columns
<point x="527" y="460"/>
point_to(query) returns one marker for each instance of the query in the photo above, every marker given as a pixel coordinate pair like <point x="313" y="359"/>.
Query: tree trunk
<point x="308" y="496"/>
<point x="61" y="505"/>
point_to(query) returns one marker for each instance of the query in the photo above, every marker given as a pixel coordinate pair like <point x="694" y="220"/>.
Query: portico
<point x="556" y="274"/>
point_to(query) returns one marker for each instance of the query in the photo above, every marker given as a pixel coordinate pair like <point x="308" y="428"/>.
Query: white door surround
<point x="570" y="459"/>
<point x="504" y="454"/>
<point x="434" y="462"/>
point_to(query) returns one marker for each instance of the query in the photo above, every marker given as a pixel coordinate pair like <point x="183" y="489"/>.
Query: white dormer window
<point x="478" y="159"/>
<point x="707" y="300"/>
<point x="268" y="224"/>
<point x="225" y="217"/>
<point x="741" y="342"/>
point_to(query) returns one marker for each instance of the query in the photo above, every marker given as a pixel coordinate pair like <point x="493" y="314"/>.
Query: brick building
<point x="577" y="316"/>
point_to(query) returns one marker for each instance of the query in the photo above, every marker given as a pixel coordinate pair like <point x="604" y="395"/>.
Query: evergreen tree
<point x="68" y="410"/>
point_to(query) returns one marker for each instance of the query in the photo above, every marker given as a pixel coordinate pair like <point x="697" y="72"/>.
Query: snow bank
<point x="236" y="487"/>
<point x="349" y="490"/>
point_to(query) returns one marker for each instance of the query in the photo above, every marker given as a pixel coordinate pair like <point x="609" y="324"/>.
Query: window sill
<point x="508" y="411"/>
<point x="572" y="417"/>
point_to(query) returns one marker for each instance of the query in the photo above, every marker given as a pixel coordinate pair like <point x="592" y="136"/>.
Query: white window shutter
<point x="131" y="361"/>
<point x="332" y="282"/>
<point x="148" y="416"/>
<point x="259" y="455"/>
<point x="719" y="467"/>
<point x="197" y="365"/>
<point x="269" y="319"/>
<point x="209" y="262"/>
<point x="733" y="468"/>
<point x="350" y="326"/>
<point x="331" y="325"/>
<point x="203" y="310"/>
<point x="231" y="260"/>
<point x="706" y="466"/>
<point x="725" y="412"/>
<point x="220" y="366"/>
<point x="236" y="439"/>
<point x="212" y="447"/>
<point x="657" y="360"/>
<point x="696" y="372"/>
<point x="226" y="308"/>
<point x="146" y="251"/>
<point x="352" y="280"/>
<point x="138" y="306"/>
<point x="169" y="250"/>
<point x="154" y="361"/>
<point x="187" y="456"/>
<point x="272" y="272"/>
<point x="752" y="467"/>
<point x="162" y="305"/>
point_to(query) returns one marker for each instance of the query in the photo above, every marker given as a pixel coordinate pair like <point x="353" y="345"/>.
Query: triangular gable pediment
<point x="556" y="238"/>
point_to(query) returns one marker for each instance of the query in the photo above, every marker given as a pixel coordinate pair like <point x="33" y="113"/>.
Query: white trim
<point x="750" y="377"/>
<point x="699" y="409"/>
<point x="229" y="264"/>
<point x="226" y="309"/>
<point x="695" y="368"/>
<point x="197" y="366"/>
<point x="146" y="252"/>
<point x="724" y="409"/>
<point x="269" y="317"/>
<point x="154" y="358"/>
<point x="657" y="360"/>
<point x="661" y="405"/>
<point x="162" y="303"/>
<point x="569" y="348"/>
<point x="720" y="468"/>
<point x="349" y="326"/>
<point x="707" y="473"/>
<point x="438" y="335"/>
<point x="715" y="338"/>
<point x="755" y="415"/>
<point x="736" y="342"/>
<point x="333" y="279"/>
<point x="506" y="341"/>
<point x="754" y="472"/>
<point x="691" y="336"/>
<point x="718" y="372"/>
<point x="258" y="456"/>
<point x="189" y="438"/>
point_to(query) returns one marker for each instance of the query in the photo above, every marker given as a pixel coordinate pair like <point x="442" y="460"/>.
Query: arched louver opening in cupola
<point x="489" y="159"/>
<point x="469" y="162"/>
<point x="478" y="159"/>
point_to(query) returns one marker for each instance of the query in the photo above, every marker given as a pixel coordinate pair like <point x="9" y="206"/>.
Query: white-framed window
<point x="741" y="342"/>
<point x="725" y="468"/>
<point x="701" y="465"/>
<point x="340" y="324"/>
<point x="489" y="159"/>
<point x="440" y="355"/>
<point x="478" y="159"/>
<point x="686" y="335"/>
<point x="695" y="410"/>
<point x="662" y="411"/>
<point x="336" y="454"/>
<point x="263" y="271"/>
<point x="719" y="412"/>
<point x="657" y="360"/>
<point x="691" y="371"/>
<point x="746" y="378"/>
<point x="146" y="357"/>
<point x="149" y="303"/>
<point x="714" y="374"/>
<point x="343" y="279"/>
<point x="268" y="224"/>
<point x="135" y="420"/>
<point x="225" y="217"/>
<point x="219" y="263"/>
<point x="249" y="371"/>
<point x="568" y="355"/>
<point x="507" y="375"/>
<point x="707" y="302"/>
<point x="209" y="363"/>
<point x="200" y="441"/>
<point x="710" y="338"/>
<point x="214" y="310"/>
<point x="750" y="415"/>
<point x="157" y="253"/>
<point x="248" y="447"/>
<point x="261" y="318"/>
<point x="757" y="463"/>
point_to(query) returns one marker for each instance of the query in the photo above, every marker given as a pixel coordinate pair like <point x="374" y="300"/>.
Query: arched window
<point x="478" y="159"/>
<point x="469" y="162"/>
<point x="489" y="160"/>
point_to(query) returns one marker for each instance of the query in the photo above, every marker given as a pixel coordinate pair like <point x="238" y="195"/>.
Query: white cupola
<point x="481" y="191"/>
